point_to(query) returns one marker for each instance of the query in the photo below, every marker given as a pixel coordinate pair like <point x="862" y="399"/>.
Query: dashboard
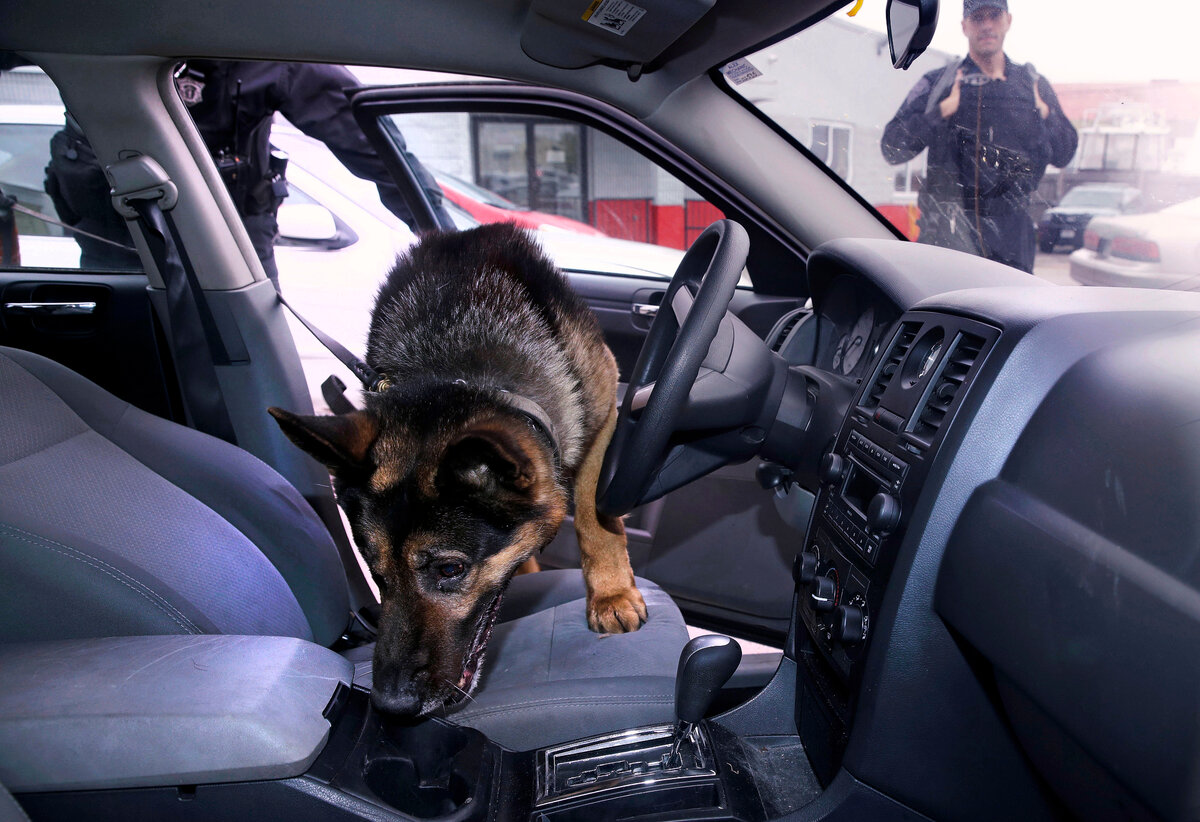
<point x="1005" y="541"/>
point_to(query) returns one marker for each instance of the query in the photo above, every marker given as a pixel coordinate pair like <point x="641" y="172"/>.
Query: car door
<point x="720" y="545"/>
<point x="96" y="321"/>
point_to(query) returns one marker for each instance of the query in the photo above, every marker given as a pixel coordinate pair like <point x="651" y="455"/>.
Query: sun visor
<point x="578" y="33"/>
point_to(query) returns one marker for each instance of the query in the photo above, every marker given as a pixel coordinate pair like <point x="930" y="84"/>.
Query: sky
<point x="1093" y="41"/>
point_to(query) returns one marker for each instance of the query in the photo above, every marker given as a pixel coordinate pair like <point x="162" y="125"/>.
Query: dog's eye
<point x="451" y="569"/>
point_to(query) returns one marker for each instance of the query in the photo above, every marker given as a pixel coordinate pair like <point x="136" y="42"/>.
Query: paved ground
<point x="1053" y="267"/>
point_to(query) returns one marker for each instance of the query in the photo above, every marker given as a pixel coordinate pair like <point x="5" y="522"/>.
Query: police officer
<point x="991" y="127"/>
<point x="232" y="104"/>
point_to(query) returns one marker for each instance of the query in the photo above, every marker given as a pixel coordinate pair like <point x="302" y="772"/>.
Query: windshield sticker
<point x="740" y="71"/>
<point x="616" y="16"/>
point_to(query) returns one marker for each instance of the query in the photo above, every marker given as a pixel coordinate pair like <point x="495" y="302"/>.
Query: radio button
<point x="833" y="468"/>
<point x="883" y="515"/>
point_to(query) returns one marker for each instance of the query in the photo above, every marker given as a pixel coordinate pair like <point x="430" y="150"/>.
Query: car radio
<point x="870" y="483"/>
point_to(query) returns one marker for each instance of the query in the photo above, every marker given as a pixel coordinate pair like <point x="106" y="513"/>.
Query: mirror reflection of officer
<point x="991" y="127"/>
<point x="232" y="104"/>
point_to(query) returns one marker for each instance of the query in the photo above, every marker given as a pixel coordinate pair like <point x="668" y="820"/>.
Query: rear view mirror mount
<point x="910" y="26"/>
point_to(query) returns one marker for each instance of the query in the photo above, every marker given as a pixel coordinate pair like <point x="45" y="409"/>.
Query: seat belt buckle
<point x="139" y="178"/>
<point x="333" y="390"/>
<point x="361" y="629"/>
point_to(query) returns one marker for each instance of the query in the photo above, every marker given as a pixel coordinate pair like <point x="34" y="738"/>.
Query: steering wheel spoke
<point x="689" y="376"/>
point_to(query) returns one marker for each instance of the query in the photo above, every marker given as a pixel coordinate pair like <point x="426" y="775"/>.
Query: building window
<point x="831" y="144"/>
<point x="907" y="179"/>
<point x="1120" y="151"/>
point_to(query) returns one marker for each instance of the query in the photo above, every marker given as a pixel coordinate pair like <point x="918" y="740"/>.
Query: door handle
<point x="648" y="310"/>
<point x="72" y="309"/>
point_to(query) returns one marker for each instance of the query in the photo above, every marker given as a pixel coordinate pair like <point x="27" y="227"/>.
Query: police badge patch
<point x="190" y="89"/>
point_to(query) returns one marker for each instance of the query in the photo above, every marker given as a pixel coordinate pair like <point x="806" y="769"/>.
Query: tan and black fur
<point x="449" y="486"/>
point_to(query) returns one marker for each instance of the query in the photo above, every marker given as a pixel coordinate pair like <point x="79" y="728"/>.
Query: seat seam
<point x="120" y="576"/>
<point x="644" y="699"/>
<point x="55" y="444"/>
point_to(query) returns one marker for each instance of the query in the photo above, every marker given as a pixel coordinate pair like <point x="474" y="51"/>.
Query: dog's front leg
<point x="614" y="604"/>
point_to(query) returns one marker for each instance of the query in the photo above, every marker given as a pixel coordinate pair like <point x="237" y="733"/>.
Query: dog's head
<point x="444" y="512"/>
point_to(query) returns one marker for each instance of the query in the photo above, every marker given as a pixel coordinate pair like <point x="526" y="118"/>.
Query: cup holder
<point x="398" y="782"/>
<point x="429" y="770"/>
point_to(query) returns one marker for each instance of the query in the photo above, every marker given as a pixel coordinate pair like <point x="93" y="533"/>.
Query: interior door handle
<point x="51" y="309"/>
<point x="648" y="310"/>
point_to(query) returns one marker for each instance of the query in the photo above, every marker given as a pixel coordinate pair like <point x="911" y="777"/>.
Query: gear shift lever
<point x="705" y="664"/>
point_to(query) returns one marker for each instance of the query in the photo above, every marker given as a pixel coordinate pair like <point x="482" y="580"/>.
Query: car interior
<point x="959" y="501"/>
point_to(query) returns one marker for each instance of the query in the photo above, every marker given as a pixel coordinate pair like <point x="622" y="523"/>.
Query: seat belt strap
<point x="142" y="191"/>
<point x="367" y="375"/>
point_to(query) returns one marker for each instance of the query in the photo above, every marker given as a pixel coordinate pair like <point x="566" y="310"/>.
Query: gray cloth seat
<point x="114" y="522"/>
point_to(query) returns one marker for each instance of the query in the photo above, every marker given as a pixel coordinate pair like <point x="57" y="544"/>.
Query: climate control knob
<point x="824" y="594"/>
<point x="833" y="468"/>
<point x="851" y="624"/>
<point x="804" y="570"/>
<point x="883" y="514"/>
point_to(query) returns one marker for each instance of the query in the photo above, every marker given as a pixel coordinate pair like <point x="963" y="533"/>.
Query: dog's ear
<point x="492" y="458"/>
<point x="338" y="442"/>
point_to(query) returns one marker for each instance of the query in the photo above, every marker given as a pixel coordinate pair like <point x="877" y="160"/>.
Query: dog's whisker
<point x="460" y="690"/>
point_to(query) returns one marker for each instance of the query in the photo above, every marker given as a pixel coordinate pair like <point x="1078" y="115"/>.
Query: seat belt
<point x="142" y="191"/>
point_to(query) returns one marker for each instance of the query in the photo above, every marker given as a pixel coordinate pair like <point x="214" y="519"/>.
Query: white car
<point x="1159" y="250"/>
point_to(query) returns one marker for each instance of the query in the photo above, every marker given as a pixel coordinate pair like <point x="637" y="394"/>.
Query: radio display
<point x="861" y="486"/>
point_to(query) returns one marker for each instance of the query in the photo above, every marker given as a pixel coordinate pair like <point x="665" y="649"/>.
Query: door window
<point x="57" y="213"/>
<point x="580" y="188"/>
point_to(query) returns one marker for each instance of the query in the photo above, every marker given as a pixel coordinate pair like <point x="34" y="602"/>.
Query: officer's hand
<point x="1042" y="106"/>
<point x="950" y="105"/>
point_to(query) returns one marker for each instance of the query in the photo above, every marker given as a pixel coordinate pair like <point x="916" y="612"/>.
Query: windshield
<point x="1013" y="106"/>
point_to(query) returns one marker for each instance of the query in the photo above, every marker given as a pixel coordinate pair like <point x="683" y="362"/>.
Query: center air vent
<point x="891" y="363"/>
<point x="945" y="386"/>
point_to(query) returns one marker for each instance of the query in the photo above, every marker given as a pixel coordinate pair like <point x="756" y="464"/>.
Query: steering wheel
<point x="676" y="347"/>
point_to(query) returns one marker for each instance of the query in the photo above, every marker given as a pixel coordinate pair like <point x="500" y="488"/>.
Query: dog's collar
<point x="534" y="414"/>
<point x="377" y="383"/>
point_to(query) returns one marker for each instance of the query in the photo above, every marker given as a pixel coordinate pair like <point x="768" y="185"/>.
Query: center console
<point x="870" y="482"/>
<point x="269" y="728"/>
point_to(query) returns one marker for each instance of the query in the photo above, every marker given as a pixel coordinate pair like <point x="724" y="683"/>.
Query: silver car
<point x="1159" y="250"/>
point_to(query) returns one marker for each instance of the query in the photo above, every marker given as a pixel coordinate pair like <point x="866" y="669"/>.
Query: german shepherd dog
<point x="498" y="401"/>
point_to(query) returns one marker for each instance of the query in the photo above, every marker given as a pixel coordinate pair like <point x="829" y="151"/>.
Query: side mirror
<point x="306" y="222"/>
<point x="910" y="26"/>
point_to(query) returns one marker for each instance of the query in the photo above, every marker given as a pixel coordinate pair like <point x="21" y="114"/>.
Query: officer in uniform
<point x="232" y="104"/>
<point x="991" y="127"/>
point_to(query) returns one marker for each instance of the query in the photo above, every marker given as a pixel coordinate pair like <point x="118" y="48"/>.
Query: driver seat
<point x="114" y="522"/>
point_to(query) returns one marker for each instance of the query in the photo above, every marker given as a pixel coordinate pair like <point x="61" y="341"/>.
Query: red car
<point x="489" y="207"/>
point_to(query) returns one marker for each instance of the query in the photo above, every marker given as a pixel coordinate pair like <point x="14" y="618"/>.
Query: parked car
<point x="959" y="502"/>
<point x="1157" y="250"/>
<point x="1064" y="224"/>
<point x="489" y="207"/>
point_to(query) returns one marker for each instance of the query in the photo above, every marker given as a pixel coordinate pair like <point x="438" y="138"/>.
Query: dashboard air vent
<point x="945" y="385"/>
<point x="891" y="363"/>
<point x="785" y="329"/>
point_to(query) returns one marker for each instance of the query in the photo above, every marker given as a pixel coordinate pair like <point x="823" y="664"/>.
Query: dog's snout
<point x="396" y="696"/>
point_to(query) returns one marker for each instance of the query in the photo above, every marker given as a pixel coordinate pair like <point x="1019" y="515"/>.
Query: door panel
<point x="99" y="324"/>
<point x="718" y="545"/>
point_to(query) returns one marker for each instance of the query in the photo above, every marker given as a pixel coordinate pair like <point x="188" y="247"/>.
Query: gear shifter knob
<point x="705" y="664"/>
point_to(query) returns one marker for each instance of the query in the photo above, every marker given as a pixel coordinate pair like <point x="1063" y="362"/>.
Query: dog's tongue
<point x="475" y="654"/>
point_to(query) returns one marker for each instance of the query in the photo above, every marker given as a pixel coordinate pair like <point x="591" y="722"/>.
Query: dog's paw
<point x="617" y="613"/>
